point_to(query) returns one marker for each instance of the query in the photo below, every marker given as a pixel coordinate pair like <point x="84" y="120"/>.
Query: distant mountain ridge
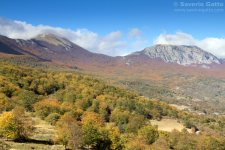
<point x="49" y="46"/>
<point x="182" y="55"/>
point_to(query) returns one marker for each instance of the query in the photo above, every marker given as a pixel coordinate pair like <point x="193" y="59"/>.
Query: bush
<point x="212" y="126"/>
<point x="148" y="134"/>
<point x="52" y="118"/>
<point x="188" y="124"/>
<point x="28" y="98"/>
<point x="134" y="145"/>
<point x="75" y="134"/>
<point x="122" y="127"/>
<point x="205" y="120"/>
<point x="19" y="111"/>
<point x="135" y="122"/>
<point x="14" y="127"/>
<point x="44" y="107"/>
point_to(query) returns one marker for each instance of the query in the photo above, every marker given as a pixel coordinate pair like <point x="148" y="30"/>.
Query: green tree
<point x="135" y="122"/>
<point x="148" y="134"/>
<point x="27" y="98"/>
<point x="91" y="134"/>
<point x="140" y="109"/>
<point x="115" y="138"/>
<point x="52" y="118"/>
<point x="209" y="143"/>
<point x="62" y="129"/>
<point x="174" y="136"/>
<point x="188" y="124"/>
<point x="75" y="136"/>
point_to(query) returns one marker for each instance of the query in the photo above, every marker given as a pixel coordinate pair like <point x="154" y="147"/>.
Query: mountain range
<point x="168" y="72"/>
<point x="49" y="47"/>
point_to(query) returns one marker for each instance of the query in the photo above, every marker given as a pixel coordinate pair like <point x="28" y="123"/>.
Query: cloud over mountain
<point x="111" y="44"/>
<point x="215" y="46"/>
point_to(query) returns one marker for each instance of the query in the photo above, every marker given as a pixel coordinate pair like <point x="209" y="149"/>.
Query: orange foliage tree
<point x="94" y="118"/>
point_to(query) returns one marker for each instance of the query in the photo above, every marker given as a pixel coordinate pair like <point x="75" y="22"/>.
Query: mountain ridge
<point x="50" y="47"/>
<point x="180" y="54"/>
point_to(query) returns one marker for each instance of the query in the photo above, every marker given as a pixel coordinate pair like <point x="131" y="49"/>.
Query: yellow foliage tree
<point x="44" y="107"/>
<point x="24" y="123"/>
<point x="94" y="118"/>
<point x="114" y="135"/>
<point x="208" y="143"/>
<point x="62" y="129"/>
<point x="3" y="103"/>
<point x="8" y="126"/>
<point x="16" y="126"/>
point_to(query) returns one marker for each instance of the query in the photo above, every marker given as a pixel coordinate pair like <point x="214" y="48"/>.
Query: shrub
<point x="44" y="107"/>
<point x="188" y="124"/>
<point x="135" y="123"/>
<point x="28" y="98"/>
<point x="52" y="118"/>
<point x="14" y="127"/>
<point x="148" y="134"/>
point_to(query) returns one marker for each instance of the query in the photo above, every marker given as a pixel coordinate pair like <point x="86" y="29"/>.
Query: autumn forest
<point x="88" y="114"/>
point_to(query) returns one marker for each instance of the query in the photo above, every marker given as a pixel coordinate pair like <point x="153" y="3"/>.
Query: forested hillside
<point x="77" y="104"/>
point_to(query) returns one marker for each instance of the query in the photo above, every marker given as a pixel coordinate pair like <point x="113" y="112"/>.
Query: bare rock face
<point x="183" y="55"/>
<point x="129" y="62"/>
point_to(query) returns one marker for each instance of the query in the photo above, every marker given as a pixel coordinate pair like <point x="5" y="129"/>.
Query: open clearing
<point x="168" y="125"/>
<point x="181" y="107"/>
<point x="43" y="133"/>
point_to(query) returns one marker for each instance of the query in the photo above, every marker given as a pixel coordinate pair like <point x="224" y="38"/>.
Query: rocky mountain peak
<point x="53" y="39"/>
<point x="182" y="54"/>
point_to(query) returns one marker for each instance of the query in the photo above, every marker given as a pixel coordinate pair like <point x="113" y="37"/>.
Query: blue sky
<point x="119" y="27"/>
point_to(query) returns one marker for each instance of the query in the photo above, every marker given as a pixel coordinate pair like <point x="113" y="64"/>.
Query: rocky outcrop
<point x="183" y="55"/>
<point x="129" y="62"/>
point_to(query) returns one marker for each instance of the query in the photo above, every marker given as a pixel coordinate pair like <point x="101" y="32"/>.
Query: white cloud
<point x="138" y="44"/>
<point x="113" y="36"/>
<point x="111" y="44"/>
<point x="134" y="36"/>
<point x="135" y="32"/>
<point x="216" y="46"/>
